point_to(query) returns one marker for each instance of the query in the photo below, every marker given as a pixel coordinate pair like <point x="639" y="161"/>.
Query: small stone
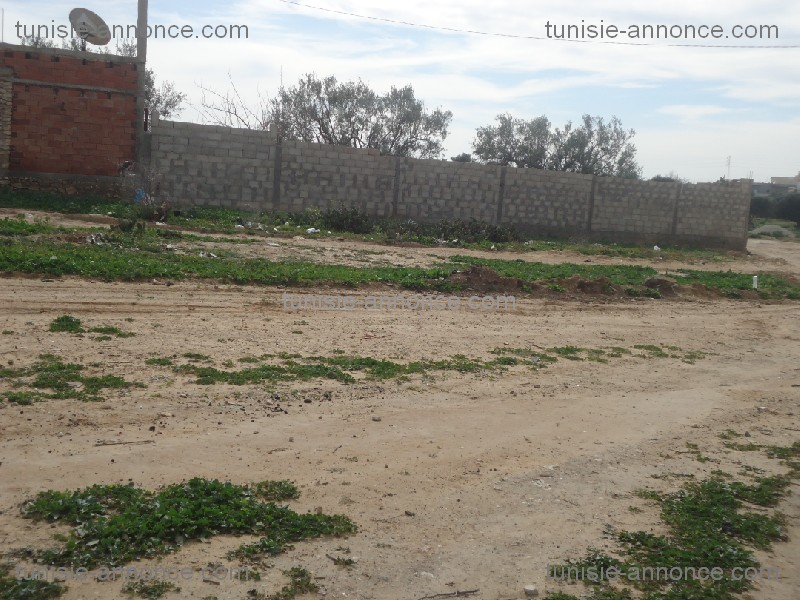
<point x="376" y="419"/>
<point x="746" y="434"/>
<point x="530" y="591"/>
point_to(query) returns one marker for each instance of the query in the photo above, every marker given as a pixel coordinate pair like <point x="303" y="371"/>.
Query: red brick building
<point x="65" y="112"/>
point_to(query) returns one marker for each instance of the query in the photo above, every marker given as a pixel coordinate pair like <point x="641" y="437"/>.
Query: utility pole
<point x="729" y="167"/>
<point x="141" y="67"/>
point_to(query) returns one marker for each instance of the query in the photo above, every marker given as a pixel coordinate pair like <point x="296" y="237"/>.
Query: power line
<point x="513" y="35"/>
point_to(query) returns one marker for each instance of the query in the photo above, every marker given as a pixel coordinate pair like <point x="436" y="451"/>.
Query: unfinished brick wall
<point x="71" y="112"/>
<point x="5" y="120"/>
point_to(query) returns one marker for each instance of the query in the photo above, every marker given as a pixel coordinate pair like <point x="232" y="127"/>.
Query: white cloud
<point x="479" y="76"/>
<point x="691" y="112"/>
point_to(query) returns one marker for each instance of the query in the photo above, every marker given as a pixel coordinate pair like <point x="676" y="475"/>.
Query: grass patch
<point x="63" y="380"/>
<point x="708" y="525"/>
<point x="12" y="588"/>
<point x="152" y="590"/>
<point x="133" y="257"/>
<point x="568" y="352"/>
<point x="300" y="582"/>
<point x="159" y="361"/>
<point x="70" y="324"/>
<point x="337" y="368"/>
<point x="108" y="330"/>
<point x="20" y="227"/>
<point x="117" y="524"/>
<point x="196" y="356"/>
<point x="22" y="398"/>
<point x="295" y="367"/>
<point x="748" y="447"/>
<point x="535" y="271"/>
<point x="276" y="491"/>
<point x="66" y="324"/>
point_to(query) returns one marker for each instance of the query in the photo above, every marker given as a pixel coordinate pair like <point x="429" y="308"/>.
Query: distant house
<point x="790" y="183"/>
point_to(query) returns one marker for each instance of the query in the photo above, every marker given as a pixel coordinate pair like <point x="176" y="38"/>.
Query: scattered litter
<point x="98" y="239"/>
<point x="274" y="245"/>
<point x="160" y="223"/>
<point x="656" y="248"/>
<point x="312" y="230"/>
<point x="239" y="226"/>
<point x="207" y="255"/>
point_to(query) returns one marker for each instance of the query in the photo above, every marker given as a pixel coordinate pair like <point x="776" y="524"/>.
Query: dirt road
<point x="457" y="481"/>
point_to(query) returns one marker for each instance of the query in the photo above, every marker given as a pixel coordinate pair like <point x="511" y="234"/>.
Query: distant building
<point x="791" y="183"/>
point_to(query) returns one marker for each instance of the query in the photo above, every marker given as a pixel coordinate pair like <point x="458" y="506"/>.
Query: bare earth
<point x="466" y="481"/>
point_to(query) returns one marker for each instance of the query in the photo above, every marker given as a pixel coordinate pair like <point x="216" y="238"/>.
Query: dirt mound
<point x="486" y="280"/>
<point x="665" y="285"/>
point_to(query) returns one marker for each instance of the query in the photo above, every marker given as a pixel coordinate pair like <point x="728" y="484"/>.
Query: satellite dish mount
<point x="89" y="27"/>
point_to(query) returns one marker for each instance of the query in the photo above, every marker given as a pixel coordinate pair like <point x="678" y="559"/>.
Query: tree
<point x="514" y="142"/>
<point x="464" y="157"/>
<point x="350" y="113"/>
<point x="789" y="208"/>
<point x="164" y="98"/>
<point x="595" y="147"/>
<point x="672" y="176"/>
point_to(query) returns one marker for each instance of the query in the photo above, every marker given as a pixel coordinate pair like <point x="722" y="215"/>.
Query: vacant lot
<point x="472" y="448"/>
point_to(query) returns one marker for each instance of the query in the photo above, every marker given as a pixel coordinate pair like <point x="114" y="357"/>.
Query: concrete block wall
<point x="547" y="202"/>
<point x="250" y="170"/>
<point x="71" y="112"/>
<point x="213" y="166"/>
<point x="711" y="212"/>
<point x="629" y="206"/>
<point x="323" y="176"/>
<point x="434" y="190"/>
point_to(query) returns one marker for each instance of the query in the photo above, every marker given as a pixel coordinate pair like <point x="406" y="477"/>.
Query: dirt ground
<point x="457" y="481"/>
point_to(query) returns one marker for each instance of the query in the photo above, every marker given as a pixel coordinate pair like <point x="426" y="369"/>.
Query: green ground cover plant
<point x="709" y="524"/>
<point x="112" y="525"/>
<point x="138" y="263"/>
<point x="52" y="379"/>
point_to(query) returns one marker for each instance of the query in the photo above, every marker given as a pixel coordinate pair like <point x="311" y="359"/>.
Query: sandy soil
<point x="456" y="481"/>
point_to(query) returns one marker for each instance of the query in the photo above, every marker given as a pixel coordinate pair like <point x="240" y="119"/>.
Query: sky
<point x="694" y="104"/>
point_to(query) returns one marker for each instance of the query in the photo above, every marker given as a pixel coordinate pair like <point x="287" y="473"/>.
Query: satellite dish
<point x="89" y="26"/>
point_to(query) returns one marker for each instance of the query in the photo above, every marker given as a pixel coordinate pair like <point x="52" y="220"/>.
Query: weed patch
<point x="300" y="582"/>
<point x="116" y="524"/>
<point x="63" y="380"/>
<point x="12" y="588"/>
<point x="151" y="590"/>
<point x="159" y="361"/>
<point x="70" y="324"/>
<point x="708" y="525"/>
